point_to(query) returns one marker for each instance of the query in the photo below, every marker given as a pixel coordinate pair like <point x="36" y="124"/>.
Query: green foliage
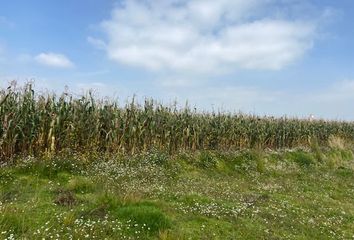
<point x="6" y="176"/>
<point x="249" y="160"/>
<point x="47" y="124"/>
<point x="80" y="185"/>
<point x="206" y="160"/>
<point x="302" y="158"/>
<point x="49" y="168"/>
<point x="261" y="165"/>
<point x="144" y="213"/>
<point x="182" y="199"/>
<point x="315" y="148"/>
<point x="9" y="220"/>
<point x="347" y="155"/>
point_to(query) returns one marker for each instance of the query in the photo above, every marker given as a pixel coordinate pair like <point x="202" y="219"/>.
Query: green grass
<point x="206" y="195"/>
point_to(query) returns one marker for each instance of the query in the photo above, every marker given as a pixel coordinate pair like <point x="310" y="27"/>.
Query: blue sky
<point x="273" y="57"/>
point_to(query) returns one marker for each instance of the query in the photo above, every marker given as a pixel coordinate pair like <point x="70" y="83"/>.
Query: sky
<point x="265" y="57"/>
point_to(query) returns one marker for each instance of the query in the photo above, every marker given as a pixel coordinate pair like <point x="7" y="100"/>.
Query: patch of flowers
<point x="143" y="177"/>
<point x="60" y="227"/>
<point x="213" y="209"/>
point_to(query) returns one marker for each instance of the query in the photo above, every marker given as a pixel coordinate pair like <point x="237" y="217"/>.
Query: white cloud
<point x="204" y="36"/>
<point x="54" y="60"/>
<point x="98" y="43"/>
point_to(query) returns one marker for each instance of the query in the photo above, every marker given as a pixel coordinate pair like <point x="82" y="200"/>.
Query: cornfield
<point x="35" y="124"/>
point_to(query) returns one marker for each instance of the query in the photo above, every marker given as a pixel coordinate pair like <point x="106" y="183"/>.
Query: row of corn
<point x="34" y="124"/>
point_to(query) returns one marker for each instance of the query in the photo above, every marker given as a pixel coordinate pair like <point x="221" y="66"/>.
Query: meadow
<point x="85" y="168"/>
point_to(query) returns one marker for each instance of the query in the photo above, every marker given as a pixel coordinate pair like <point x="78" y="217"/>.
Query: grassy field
<point x="82" y="168"/>
<point x="293" y="194"/>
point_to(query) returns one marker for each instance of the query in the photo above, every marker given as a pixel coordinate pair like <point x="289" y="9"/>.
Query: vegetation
<point x="82" y="168"/>
<point x="205" y="195"/>
<point x="39" y="124"/>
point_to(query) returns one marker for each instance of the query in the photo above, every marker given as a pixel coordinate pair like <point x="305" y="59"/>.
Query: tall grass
<point x="37" y="124"/>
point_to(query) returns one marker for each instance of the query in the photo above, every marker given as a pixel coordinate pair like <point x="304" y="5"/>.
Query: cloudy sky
<point x="273" y="57"/>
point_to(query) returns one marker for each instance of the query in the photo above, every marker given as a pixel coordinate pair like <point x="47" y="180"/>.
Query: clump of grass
<point x="249" y="160"/>
<point x="261" y="164"/>
<point x="9" y="195"/>
<point x="156" y="156"/>
<point x="316" y="149"/>
<point x="302" y="158"/>
<point x="17" y="224"/>
<point x="206" y="160"/>
<point x="80" y="184"/>
<point x="144" y="213"/>
<point x="339" y="152"/>
<point x="335" y="142"/>
<point x="338" y="157"/>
